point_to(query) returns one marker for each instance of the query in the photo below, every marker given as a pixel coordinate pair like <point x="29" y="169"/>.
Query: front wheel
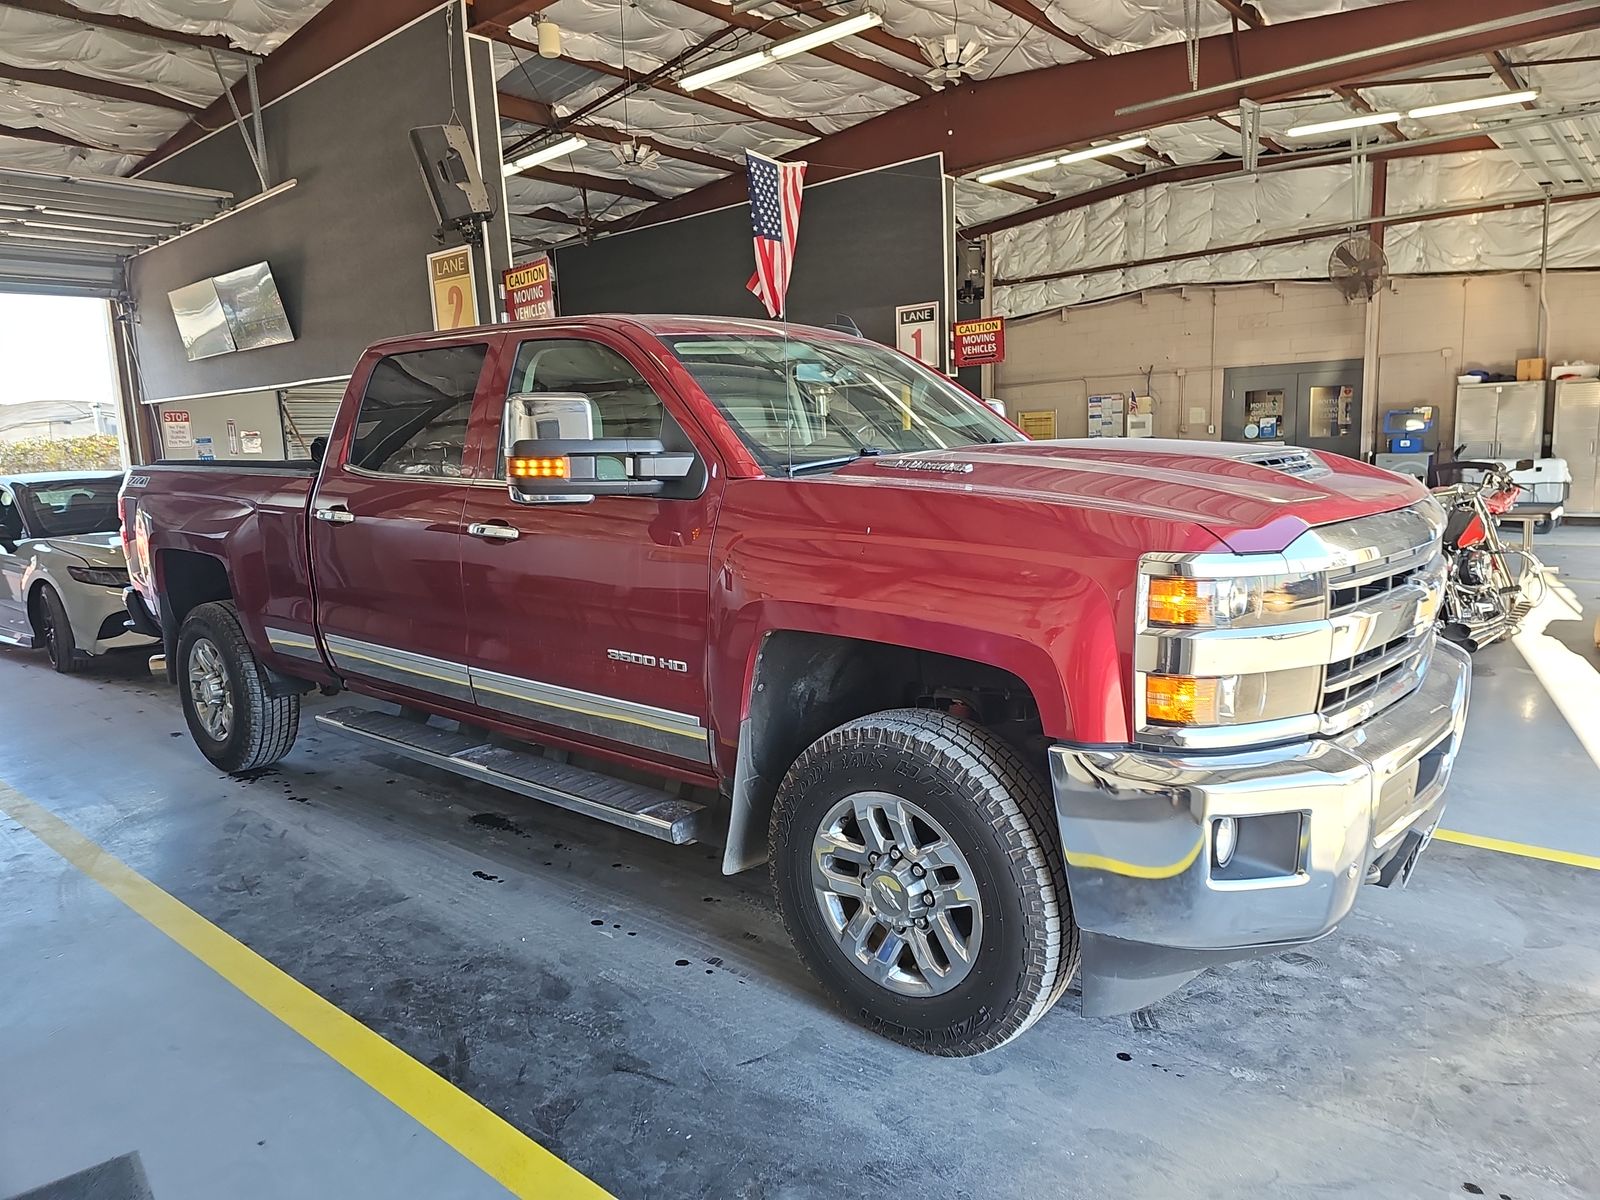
<point x="55" y="631"/>
<point x="919" y="876"/>
<point x="237" y="722"/>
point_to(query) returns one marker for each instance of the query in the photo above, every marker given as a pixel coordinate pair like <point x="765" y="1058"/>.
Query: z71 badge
<point x="648" y="660"/>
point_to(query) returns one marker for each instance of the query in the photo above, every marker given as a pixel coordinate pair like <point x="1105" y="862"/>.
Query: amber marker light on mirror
<point x="540" y="468"/>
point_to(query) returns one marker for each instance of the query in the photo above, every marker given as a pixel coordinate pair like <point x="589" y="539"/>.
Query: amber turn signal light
<point x="540" y="468"/>
<point x="1180" y="700"/>
<point x="1178" y="601"/>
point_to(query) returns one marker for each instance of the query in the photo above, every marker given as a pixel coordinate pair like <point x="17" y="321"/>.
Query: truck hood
<point x="1253" y="498"/>
<point x="96" y="549"/>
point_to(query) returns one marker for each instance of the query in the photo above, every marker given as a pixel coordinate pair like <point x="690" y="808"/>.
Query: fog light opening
<point x="1224" y="840"/>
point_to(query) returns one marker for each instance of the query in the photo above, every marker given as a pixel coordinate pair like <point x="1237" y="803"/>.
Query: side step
<point x="633" y="806"/>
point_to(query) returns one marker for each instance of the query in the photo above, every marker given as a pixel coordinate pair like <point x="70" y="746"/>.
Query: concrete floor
<point x="644" y="1018"/>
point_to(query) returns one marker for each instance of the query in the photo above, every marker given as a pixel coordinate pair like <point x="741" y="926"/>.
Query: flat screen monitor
<point x="254" y="310"/>
<point x="240" y="310"/>
<point x="201" y="322"/>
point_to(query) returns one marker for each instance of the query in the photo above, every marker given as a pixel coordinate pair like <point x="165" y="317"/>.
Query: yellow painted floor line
<point x="501" y="1150"/>
<point x="1568" y="858"/>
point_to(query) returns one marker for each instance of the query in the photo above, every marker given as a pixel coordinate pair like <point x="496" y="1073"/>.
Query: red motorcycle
<point x="1489" y="586"/>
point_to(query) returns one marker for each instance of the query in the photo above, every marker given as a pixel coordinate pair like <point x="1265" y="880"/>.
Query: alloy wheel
<point x="209" y="690"/>
<point x="897" y="894"/>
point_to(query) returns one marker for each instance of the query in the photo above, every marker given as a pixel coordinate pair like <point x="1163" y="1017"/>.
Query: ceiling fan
<point x="633" y="155"/>
<point x="951" y="59"/>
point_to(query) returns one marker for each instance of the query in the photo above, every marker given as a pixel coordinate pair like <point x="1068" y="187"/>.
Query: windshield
<point x="804" y="404"/>
<point x="68" y="507"/>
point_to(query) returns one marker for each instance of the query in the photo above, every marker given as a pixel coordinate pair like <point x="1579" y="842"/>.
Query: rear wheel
<point x="55" y="631"/>
<point x="233" y="716"/>
<point x="918" y="874"/>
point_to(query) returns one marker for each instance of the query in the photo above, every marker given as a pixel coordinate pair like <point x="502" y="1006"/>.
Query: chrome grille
<point x="1383" y="594"/>
<point x="1351" y="681"/>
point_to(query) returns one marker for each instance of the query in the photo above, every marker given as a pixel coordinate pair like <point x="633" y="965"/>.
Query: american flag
<point x="775" y="189"/>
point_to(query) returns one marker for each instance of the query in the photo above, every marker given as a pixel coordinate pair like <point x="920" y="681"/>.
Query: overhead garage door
<point x="69" y="235"/>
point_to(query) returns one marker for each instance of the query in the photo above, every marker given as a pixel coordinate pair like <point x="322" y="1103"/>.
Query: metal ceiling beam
<point x="87" y="85"/>
<point x="554" y="215"/>
<point x="536" y="112"/>
<point x="51" y="138"/>
<point x="1250" y="15"/>
<point x="709" y="99"/>
<point x="1016" y="118"/>
<point x="84" y="16"/>
<point x="341" y="28"/>
<point x="1463" y="144"/>
<point x="583" y="182"/>
<point x="491" y="18"/>
<point x="869" y="67"/>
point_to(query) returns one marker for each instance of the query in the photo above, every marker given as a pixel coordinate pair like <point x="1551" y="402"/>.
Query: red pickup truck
<point x="999" y="713"/>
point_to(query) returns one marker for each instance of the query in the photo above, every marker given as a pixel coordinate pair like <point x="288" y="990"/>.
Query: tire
<point x="975" y="793"/>
<point x="234" y="719"/>
<point x="55" y="631"/>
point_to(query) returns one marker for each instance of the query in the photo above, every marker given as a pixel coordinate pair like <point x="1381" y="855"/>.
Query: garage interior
<point x="1367" y="228"/>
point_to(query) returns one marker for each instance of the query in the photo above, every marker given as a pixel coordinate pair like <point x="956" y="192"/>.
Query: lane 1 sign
<point x="916" y="332"/>
<point x="980" y="343"/>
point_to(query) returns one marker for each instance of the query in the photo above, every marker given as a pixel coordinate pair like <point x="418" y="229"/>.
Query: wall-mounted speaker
<point x="450" y="171"/>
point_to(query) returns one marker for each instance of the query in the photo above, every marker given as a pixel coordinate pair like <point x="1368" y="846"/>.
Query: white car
<point x="61" y="566"/>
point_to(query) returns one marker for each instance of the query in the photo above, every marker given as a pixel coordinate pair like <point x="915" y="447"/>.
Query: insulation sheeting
<point x="107" y="124"/>
<point x="1189" y="218"/>
<point x="1172" y="219"/>
<point x="687" y="122"/>
<point x="67" y="160"/>
<point x="1497" y="241"/>
<point x="259" y="26"/>
<point x="977" y="202"/>
<point x="49" y="43"/>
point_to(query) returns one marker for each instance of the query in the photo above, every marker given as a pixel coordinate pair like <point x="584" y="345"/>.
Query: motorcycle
<point x="1489" y="587"/>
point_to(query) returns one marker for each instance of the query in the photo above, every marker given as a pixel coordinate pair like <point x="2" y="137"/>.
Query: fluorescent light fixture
<point x="1062" y="160"/>
<point x="544" y="154"/>
<point x="1043" y="164"/>
<point x="800" y="43"/>
<point x="1365" y="119"/>
<point x="1132" y="143"/>
<point x="1456" y="106"/>
<point x="822" y="35"/>
<point x="726" y="69"/>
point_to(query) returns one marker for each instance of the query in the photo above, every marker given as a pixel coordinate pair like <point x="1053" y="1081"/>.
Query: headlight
<point x="116" y="577"/>
<point x="1181" y="601"/>
<point x="1212" y="640"/>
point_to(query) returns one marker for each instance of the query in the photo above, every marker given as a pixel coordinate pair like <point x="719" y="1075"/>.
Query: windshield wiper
<point x="823" y="464"/>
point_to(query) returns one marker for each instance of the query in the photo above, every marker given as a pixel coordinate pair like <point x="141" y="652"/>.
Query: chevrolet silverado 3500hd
<point x="997" y="712"/>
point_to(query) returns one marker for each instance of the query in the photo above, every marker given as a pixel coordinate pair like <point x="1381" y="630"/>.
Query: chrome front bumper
<point x="1136" y="829"/>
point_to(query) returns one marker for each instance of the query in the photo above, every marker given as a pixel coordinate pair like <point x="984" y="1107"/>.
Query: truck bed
<point x="251" y="516"/>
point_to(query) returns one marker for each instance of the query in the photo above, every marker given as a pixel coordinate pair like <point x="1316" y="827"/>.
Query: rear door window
<point x="415" y="411"/>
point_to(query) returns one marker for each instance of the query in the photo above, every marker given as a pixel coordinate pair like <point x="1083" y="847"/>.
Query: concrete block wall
<point x="1176" y="344"/>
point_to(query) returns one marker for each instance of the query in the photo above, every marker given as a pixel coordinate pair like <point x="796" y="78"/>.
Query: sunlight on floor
<point x="1571" y="680"/>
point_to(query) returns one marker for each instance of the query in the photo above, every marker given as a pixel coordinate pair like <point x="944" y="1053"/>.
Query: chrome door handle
<point x="336" y="515"/>
<point x="495" y="533"/>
